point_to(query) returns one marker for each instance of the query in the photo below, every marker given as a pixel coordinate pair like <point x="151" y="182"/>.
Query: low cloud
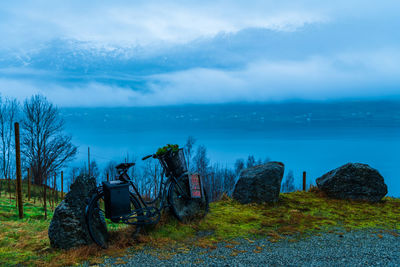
<point x="362" y="75"/>
<point x="86" y="95"/>
<point x="98" y="53"/>
<point x="144" y="23"/>
<point x="367" y="75"/>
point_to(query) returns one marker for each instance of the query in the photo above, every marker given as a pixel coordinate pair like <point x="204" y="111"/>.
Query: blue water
<point x="314" y="149"/>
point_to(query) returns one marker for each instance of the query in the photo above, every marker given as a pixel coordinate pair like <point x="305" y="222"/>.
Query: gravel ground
<point x="355" y="248"/>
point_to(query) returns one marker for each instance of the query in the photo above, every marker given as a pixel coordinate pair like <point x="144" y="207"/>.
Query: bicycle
<point x="186" y="201"/>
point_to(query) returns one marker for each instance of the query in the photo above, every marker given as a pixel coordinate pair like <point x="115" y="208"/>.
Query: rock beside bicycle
<point x="259" y="184"/>
<point x="354" y="181"/>
<point x="68" y="227"/>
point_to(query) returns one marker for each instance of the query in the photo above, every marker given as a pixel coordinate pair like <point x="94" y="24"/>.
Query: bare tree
<point x="189" y="150"/>
<point x="230" y="178"/>
<point x="73" y="173"/>
<point x="94" y="170"/>
<point x="250" y="161"/>
<point x="8" y="114"/>
<point x="110" y="170"/>
<point x="217" y="177"/>
<point x="152" y="172"/>
<point x="239" y="166"/>
<point x="202" y="167"/>
<point x="288" y="184"/>
<point x="133" y="170"/>
<point x="45" y="146"/>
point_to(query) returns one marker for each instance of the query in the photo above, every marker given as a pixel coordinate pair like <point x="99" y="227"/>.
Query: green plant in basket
<point x="166" y="149"/>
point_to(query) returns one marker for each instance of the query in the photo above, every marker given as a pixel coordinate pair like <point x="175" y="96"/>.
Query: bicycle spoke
<point x="99" y="210"/>
<point x="99" y="226"/>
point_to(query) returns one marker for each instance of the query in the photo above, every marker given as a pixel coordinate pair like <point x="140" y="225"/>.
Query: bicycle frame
<point x="144" y="213"/>
<point x="164" y="188"/>
<point x="161" y="193"/>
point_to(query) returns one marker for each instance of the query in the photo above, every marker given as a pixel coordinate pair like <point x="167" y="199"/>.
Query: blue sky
<point x="146" y="53"/>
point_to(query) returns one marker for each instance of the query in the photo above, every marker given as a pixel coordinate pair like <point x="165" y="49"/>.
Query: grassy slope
<point x="23" y="241"/>
<point x="296" y="214"/>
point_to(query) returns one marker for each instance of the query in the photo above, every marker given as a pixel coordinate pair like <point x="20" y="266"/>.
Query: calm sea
<point x="314" y="148"/>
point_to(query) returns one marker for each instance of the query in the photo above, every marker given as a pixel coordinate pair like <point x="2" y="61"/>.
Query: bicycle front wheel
<point x="100" y="228"/>
<point x="185" y="208"/>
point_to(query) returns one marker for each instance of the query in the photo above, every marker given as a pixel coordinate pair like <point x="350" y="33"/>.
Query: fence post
<point x="304" y="181"/>
<point x="50" y="193"/>
<point x="108" y="177"/>
<point x="88" y="152"/>
<point x="54" y="190"/>
<point x="9" y="188"/>
<point x="29" y="185"/>
<point x="62" y="184"/>
<point x="36" y="193"/>
<point x="44" y="197"/>
<point x="19" y="178"/>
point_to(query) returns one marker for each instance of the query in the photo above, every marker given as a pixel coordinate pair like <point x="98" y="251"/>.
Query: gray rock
<point x="68" y="227"/>
<point x="354" y="181"/>
<point x="259" y="184"/>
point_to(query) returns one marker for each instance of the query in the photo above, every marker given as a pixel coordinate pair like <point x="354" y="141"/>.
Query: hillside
<point x="295" y="216"/>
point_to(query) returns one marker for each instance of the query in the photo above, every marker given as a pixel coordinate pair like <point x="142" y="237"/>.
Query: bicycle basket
<point x="116" y="199"/>
<point x="175" y="162"/>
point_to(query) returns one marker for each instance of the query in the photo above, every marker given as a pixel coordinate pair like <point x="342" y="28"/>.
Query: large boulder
<point x="259" y="184"/>
<point x="68" y="227"/>
<point x="354" y="181"/>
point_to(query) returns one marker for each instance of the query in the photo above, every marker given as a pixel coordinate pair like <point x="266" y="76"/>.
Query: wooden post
<point x="62" y="184"/>
<point x="304" y="181"/>
<point x="19" y="178"/>
<point x="44" y="198"/>
<point x="29" y="185"/>
<point x="33" y="190"/>
<point x="108" y="177"/>
<point x="49" y="193"/>
<point x="88" y="155"/>
<point x="54" y="190"/>
<point x="16" y="192"/>
<point x="9" y="187"/>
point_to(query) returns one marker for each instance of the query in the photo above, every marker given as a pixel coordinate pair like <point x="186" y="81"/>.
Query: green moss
<point x="295" y="214"/>
<point x="173" y="230"/>
<point x="166" y="149"/>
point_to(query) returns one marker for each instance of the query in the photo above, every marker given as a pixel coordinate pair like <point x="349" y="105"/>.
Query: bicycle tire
<point x="187" y="209"/>
<point x="95" y="210"/>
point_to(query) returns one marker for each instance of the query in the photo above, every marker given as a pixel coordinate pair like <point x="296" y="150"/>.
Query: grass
<point x="295" y="215"/>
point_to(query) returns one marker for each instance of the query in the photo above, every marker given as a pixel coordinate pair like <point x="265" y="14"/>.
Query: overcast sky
<point x="134" y="53"/>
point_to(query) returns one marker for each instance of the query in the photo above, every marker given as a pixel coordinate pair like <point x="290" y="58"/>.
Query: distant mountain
<point x="225" y="50"/>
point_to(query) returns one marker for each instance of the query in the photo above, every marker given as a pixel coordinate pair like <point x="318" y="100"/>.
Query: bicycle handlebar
<point x="149" y="156"/>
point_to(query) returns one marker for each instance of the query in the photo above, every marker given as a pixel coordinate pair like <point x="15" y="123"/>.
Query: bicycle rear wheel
<point x="99" y="226"/>
<point x="185" y="208"/>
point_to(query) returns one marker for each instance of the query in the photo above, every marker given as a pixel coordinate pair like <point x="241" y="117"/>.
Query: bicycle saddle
<point x="124" y="166"/>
